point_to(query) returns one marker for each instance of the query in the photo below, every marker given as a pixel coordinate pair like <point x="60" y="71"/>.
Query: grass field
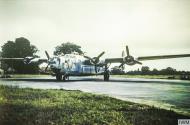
<point x="29" y="76"/>
<point x="57" y="107"/>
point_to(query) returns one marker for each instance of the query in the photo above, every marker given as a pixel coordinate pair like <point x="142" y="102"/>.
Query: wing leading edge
<point x="26" y="60"/>
<point x="114" y="60"/>
<point x="144" y="58"/>
<point x="4" y="59"/>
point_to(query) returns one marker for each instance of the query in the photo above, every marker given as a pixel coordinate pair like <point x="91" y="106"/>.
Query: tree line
<point x="22" y="47"/>
<point x="145" y="70"/>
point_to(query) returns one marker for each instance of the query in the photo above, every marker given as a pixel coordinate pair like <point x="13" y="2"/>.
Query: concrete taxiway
<point x="168" y="94"/>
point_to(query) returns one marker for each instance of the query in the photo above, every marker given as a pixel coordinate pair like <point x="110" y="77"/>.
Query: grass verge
<point x="58" y="107"/>
<point x="150" y="76"/>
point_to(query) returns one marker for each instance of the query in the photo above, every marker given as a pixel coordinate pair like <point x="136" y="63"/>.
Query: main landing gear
<point x="60" y="77"/>
<point x="106" y="74"/>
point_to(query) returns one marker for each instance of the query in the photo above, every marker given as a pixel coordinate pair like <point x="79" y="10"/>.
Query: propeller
<point x="128" y="59"/>
<point x="95" y="60"/>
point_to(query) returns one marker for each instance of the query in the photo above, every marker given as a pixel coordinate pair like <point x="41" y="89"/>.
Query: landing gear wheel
<point x="65" y="77"/>
<point x="106" y="76"/>
<point x="58" y="77"/>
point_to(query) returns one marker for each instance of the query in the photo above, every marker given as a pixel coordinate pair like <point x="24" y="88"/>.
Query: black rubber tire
<point x="58" y="77"/>
<point x="106" y="76"/>
<point x="64" y="78"/>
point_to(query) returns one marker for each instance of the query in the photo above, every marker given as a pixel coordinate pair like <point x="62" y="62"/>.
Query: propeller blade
<point x="100" y="54"/>
<point x="121" y="65"/>
<point x="123" y="53"/>
<point x="95" y="69"/>
<point x="127" y="51"/>
<point x="88" y="57"/>
<point x="91" y="59"/>
<point x="46" y="67"/>
<point x="138" y="62"/>
<point x="47" y="55"/>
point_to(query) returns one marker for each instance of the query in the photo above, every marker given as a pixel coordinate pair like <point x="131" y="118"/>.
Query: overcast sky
<point x="149" y="27"/>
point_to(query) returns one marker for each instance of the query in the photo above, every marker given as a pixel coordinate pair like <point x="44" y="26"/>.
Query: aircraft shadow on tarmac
<point x="93" y="80"/>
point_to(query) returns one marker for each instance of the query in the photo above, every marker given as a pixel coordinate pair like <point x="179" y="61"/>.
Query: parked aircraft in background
<point x="82" y="65"/>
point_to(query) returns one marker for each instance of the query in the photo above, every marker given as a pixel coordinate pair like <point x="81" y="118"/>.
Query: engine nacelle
<point x="27" y="60"/>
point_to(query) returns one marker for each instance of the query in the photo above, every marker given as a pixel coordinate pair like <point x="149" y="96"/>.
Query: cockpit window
<point x="87" y="62"/>
<point x="54" y="60"/>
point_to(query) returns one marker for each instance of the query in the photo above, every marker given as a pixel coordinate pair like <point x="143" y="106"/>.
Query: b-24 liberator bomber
<point x="81" y="65"/>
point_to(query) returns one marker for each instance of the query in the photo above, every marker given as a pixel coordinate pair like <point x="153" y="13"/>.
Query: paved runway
<point x="169" y="94"/>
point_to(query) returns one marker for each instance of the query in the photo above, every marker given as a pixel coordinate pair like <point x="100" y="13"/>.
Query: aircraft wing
<point x="27" y="60"/>
<point x="114" y="60"/>
<point x="42" y="61"/>
<point x="144" y="58"/>
<point x="3" y="59"/>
